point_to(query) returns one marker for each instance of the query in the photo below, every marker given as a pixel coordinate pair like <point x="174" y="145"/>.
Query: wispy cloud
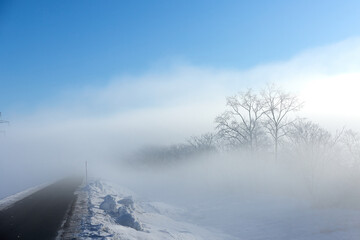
<point x="317" y="75"/>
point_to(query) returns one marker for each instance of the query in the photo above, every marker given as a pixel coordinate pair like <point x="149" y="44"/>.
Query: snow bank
<point x="115" y="213"/>
<point x="109" y="204"/>
<point x="10" y="200"/>
<point x="124" y="215"/>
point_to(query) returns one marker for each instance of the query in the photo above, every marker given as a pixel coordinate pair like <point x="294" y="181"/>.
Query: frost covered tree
<point x="278" y="106"/>
<point x="240" y="123"/>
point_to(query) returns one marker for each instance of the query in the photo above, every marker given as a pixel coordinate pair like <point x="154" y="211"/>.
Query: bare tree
<point x="308" y="139"/>
<point x="314" y="146"/>
<point x="278" y="106"/>
<point x="240" y="124"/>
<point x="3" y="121"/>
<point x="351" y="140"/>
<point x="204" y="142"/>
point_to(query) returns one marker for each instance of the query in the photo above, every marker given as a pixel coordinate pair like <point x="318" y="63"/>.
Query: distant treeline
<point x="262" y="121"/>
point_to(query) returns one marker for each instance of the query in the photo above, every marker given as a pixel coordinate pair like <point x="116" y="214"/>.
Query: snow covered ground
<point x="281" y="219"/>
<point x="109" y="211"/>
<point x="117" y="213"/>
<point x="10" y="200"/>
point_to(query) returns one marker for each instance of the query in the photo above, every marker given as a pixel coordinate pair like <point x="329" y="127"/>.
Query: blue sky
<point x="47" y="47"/>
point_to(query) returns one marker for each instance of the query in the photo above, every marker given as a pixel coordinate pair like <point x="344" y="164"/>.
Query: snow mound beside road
<point x="124" y="215"/>
<point x="117" y="214"/>
<point x="109" y="204"/>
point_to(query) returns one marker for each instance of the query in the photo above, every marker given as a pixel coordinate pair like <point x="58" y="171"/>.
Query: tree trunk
<point x="276" y="149"/>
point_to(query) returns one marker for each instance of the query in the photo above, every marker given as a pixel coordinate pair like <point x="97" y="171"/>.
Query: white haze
<point x="103" y="124"/>
<point x="168" y="106"/>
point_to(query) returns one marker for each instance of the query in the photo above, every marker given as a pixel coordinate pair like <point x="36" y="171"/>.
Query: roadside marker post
<point x="86" y="175"/>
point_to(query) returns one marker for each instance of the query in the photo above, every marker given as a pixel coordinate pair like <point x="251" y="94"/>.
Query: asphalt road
<point x="40" y="215"/>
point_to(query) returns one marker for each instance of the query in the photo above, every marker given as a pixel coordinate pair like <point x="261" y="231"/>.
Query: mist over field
<point x="175" y="136"/>
<point x="104" y="125"/>
<point x="180" y="120"/>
